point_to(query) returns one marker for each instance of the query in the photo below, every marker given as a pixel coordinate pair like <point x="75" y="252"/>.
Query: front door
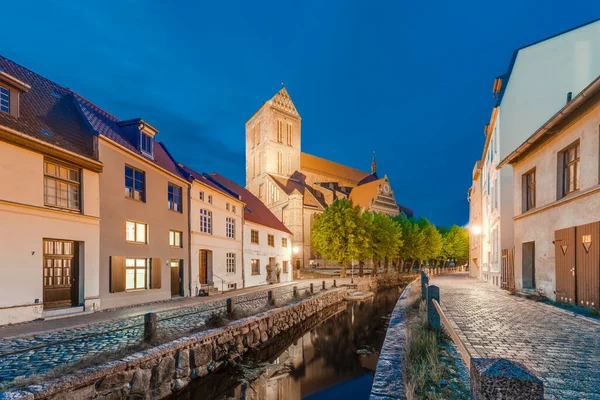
<point x="203" y="267"/>
<point x="61" y="274"/>
<point x="587" y="272"/>
<point x="176" y="277"/>
<point x="564" y="253"/>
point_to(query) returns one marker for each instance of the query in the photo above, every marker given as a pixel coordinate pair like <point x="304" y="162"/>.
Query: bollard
<point x="424" y="283"/>
<point x="150" y="326"/>
<point x="312" y="289"/>
<point x="230" y="305"/>
<point x="334" y="283"/>
<point x="295" y="292"/>
<point x="433" y="318"/>
<point x="323" y="285"/>
<point x="270" y="298"/>
<point x="498" y="378"/>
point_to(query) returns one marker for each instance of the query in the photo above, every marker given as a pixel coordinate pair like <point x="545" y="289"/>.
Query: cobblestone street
<point x="563" y="349"/>
<point x="52" y="346"/>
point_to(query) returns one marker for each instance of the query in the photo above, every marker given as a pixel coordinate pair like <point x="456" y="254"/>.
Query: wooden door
<point x="203" y="267"/>
<point x="508" y="269"/>
<point x="60" y="274"/>
<point x="587" y="267"/>
<point x="176" y="277"/>
<point x="564" y="254"/>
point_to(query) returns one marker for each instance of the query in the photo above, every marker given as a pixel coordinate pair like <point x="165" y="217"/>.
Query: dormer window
<point x="147" y="144"/>
<point x="4" y="100"/>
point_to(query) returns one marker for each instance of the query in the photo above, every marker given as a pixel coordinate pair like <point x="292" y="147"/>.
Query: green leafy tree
<point x="412" y="247"/>
<point x="340" y="234"/>
<point x="366" y="227"/>
<point x="455" y="244"/>
<point x="386" y="240"/>
<point x="432" y="240"/>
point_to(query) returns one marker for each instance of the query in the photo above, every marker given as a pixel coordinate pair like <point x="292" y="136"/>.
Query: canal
<point x="330" y="356"/>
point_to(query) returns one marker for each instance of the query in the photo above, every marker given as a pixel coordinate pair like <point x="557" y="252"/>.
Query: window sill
<point x="176" y="247"/>
<point x="131" y="242"/>
<point x="568" y="198"/>
<point x="63" y="209"/>
<point x="136" y="200"/>
<point x="255" y="274"/>
<point x="175" y="211"/>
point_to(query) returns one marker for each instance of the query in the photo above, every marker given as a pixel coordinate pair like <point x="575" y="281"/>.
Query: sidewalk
<point x="560" y="347"/>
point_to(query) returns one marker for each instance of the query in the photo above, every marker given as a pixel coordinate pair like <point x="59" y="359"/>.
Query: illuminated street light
<point x="476" y="229"/>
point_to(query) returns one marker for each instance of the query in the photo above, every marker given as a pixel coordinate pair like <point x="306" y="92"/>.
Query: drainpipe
<point x="190" y="240"/>
<point x="243" y="260"/>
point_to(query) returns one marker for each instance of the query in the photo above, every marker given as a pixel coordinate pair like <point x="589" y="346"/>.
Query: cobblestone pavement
<point x="562" y="348"/>
<point x="47" y="350"/>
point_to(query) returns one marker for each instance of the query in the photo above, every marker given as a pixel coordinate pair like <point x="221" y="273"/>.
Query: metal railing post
<point x="230" y="305"/>
<point x="433" y="317"/>
<point x="424" y="283"/>
<point x="150" y="327"/>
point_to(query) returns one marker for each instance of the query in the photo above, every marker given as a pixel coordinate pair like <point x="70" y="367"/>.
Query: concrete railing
<point x="491" y="378"/>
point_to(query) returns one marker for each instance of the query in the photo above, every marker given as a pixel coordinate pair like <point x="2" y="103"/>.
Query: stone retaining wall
<point x="162" y="370"/>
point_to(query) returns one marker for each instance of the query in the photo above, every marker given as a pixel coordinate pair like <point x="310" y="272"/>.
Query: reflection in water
<point x="334" y="358"/>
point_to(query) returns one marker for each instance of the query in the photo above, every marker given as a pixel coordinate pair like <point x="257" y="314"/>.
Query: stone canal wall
<point x="164" y="369"/>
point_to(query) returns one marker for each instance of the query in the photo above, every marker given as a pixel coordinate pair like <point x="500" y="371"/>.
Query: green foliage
<point x="413" y="245"/>
<point x="455" y="243"/>
<point x="386" y="238"/>
<point x="432" y="239"/>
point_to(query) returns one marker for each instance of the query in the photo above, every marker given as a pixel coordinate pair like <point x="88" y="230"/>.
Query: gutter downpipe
<point x="190" y="239"/>
<point x="243" y="258"/>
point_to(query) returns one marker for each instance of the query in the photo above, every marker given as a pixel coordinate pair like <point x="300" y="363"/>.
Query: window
<point x="230" y="227"/>
<point x="135" y="273"/>
<point x="254" y="236"/>
<point x="569" y="158"/>
<point x="279" y="162"/>
<point x="231" y="263"/>
<point x="175" y="198"/>
<point x="146" y="144"/>
<point x="4" y="99"/>
<point x="136" y="232"/>
<point x="280" y="131"/>
<point x="176" y="238"/>
<point x="227" y="206"/>
<point x="61" y="186"/>
<point x="232" y="286"/>
<point x="284" y="242"/>
<point x="210" y="199"/>
<point x="201" y="195"/>
<point x="271" y="240"/>
<point x="206" y="221"/>
<point x="529" y="190"/>
<point x="284" y="267"/>
<point x="233" y="209"/>
<point x="255" y="266"/>
<point x="289" y="134"/>
<point x="288" y="164"/>
<point x="135" y="183"/>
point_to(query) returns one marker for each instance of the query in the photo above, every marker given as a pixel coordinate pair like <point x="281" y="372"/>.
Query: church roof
<point x="370" y="178"/>
<point x="255" y="210"/>
<point x="363" y="195"/>
<point x="330" y="168"/>
<point x="289" y="185"/>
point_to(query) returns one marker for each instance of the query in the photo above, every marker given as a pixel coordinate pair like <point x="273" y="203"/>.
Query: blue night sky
<point x="415" y="75"/>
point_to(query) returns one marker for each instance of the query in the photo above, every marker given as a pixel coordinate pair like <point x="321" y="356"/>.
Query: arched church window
<point x="279" y="162"/>
<point x="289" y="134"/>
<point x="280" y="131"/>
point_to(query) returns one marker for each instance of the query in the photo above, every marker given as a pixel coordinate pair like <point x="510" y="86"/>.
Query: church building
<point x="296" y="186"/>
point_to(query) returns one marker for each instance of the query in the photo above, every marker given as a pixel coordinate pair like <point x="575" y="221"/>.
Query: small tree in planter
<point x="278" y="272"/>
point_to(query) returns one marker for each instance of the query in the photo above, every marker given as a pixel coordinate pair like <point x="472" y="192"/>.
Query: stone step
<point x="64" y="313"/>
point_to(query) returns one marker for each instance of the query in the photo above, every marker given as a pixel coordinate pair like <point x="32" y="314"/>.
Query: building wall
<point x="262" y="251"/>
<point x="475" y="229"/>
<point x="217" y="242"/>
<point x="538" y="225"/>
<point x="25" y="222"/>
<point x="116" y="209"/>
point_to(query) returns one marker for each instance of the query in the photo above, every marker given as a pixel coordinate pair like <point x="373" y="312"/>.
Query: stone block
<point x="179" y="384"/>
<point x="85" y="393"/>
<point x="114" y="381"/>
<point x="201" y="355"/>
<point x="140" y="384"/>
<point x="164" y="371"/>
<point x="498" y="378"/>
<point x="182" y="365"/>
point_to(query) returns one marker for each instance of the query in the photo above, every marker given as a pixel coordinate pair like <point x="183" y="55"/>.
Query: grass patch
<point x="430" y="370"/>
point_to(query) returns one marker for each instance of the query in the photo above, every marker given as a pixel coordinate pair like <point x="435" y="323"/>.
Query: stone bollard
<point x="323" y="285"/>
<point x="433" y="318"/>
<point x="230" y="305"/>
<point x="424" y="283"/>
<point x="312" y="288"/>
<point x="295" y="292"/>
<point x="334" y="283"/>
<point x="498" y="378"/>
<point x="150" y="327"/>
<point x="270" y="298"/>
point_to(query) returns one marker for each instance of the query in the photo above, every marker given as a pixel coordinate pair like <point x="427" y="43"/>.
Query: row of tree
<point x="344" y="233"/>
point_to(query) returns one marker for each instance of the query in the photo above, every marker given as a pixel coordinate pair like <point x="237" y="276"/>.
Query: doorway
<point x="176" y="278"/>
<point x="60" y="274"/>
<point x="205" y="259"/>
<point x="529" y="265"/>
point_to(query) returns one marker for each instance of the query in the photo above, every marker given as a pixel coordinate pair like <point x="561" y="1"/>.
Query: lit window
<point x="61" y="186"/>
<point x="289" y="134"/>
<point x="280" y="131"/>
<point x="135" y="273"/>
<point x="271" y="240"/>
<point x="206" y="221"/>
<point x="136" y="232"/>
<point x="284" y="242"/>
<point x="174" y="198"/>
<point x="4" y="99"/>
<point x="227" y="206"/>
<point x="147" y="145"/>
<point x="233" y="209"/>
<point x="201" y="195"/>
<point x="255" y="266"/>
<point x="231" y="263"/>
<point x="230" y="228"/>
<point x="210" y="199"/>
<point x="135" y="184"/>
<point x="254" y="236"/>
<point x="175" y="238"/>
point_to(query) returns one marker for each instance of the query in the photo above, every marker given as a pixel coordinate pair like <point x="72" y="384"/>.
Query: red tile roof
<point x="192" y="175"/>
<point x="330" y="168"/>
<point x="255" y="210"/>
<point x="310" y="198"/>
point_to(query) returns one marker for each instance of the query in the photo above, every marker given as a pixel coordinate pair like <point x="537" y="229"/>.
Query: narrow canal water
<point x="330" y="356"/>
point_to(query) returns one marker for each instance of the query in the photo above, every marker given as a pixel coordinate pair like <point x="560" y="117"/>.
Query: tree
<point x="412" y="247"/>
<point x="455" y="243"/>
<point x="366" y="227"/>
<point x="386" y="240"/>
<point x="340" y="234"/>
<point x="432" y="239"/>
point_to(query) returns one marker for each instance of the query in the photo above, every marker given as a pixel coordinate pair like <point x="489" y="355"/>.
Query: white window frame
<point x="230" y="262"/>
<point x="205" y="221"/>
<point x="136" y="268"/>
<point x="136" y="226"/>
<point x="230" y="227"/>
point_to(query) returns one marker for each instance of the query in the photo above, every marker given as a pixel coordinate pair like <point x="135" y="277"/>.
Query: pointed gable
<point x="283" y="101"/>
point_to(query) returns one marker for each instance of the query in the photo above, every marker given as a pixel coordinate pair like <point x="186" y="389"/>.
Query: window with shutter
<point x="156" y="273"/>
<point x="117" y="274"/>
